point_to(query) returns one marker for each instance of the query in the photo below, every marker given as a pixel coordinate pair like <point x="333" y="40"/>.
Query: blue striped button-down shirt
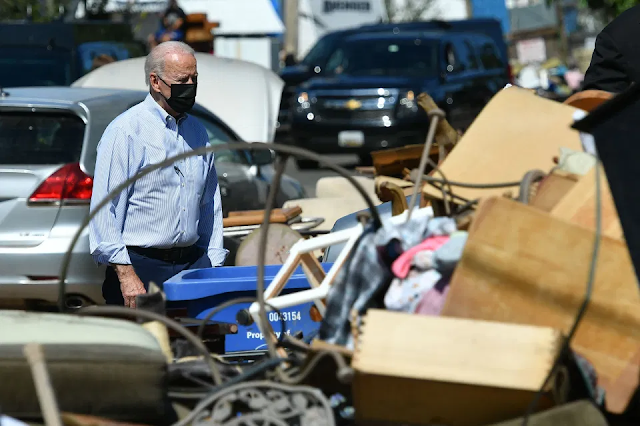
<point x="170" y="207"/>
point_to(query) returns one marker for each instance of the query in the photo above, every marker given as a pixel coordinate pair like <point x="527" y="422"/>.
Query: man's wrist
<point x="123" y="271"/>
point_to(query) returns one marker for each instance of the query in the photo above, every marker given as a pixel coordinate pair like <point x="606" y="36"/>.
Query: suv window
<point x="489" y="55"/>
<point x="466" y="54"/>
<point x="320" y="51"/>
<point x="217" y="135"/>
<point x="40" y="138"/>
<point x="452" y="61"/>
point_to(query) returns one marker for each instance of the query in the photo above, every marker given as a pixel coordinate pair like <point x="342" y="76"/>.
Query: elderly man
<point x="171" y="219"/>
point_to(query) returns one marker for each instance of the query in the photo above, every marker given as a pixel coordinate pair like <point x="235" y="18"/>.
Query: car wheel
<point x="306" y="164"/>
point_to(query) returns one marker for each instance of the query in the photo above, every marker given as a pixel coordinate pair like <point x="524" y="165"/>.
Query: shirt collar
<point x="157" y="110"/>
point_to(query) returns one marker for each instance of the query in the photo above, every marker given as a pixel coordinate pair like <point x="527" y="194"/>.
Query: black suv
<point x="316" y="59"/>
<point x="365" y="98"/>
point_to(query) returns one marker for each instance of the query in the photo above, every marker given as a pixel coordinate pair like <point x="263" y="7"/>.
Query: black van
<point x="316" y="59"/>
<point x="365" y="98"/>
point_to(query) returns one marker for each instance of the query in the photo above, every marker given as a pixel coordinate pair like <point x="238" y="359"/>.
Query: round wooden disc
<point x="280" y="239"/>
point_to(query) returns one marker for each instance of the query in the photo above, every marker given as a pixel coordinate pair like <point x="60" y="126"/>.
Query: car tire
<point x="306" y="164"/>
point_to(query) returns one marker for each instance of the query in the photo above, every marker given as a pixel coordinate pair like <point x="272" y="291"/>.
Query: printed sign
<point x="532" y="50"/>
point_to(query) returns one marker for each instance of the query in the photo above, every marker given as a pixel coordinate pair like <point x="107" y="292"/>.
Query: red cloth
<point x="402" y="264"/>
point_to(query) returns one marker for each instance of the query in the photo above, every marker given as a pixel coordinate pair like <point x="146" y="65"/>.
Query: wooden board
<point x="448" y="371"/>
<point x="516" y="132"/>
<point x="522" y="265"/>
<point x="391" y="162"/>
<point x="552" y="189"/>
<point x="255" y="217"/>
<point x="578" y="205"/>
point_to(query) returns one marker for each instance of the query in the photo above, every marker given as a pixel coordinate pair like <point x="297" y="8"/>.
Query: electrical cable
<point x="287" y="149"/>
<point x="152" y="316"/>
<point x="585" y="302"/>
<point x="449" y="191"/>
<point x="344" y="371"/>
<point x="473" y="185"/>
<point x="217" y="309"/>
<point x="249" y="373"/>
<point x="466" y="206"/>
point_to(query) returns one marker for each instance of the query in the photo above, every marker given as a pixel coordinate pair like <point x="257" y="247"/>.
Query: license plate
<point x="351" y="139"/>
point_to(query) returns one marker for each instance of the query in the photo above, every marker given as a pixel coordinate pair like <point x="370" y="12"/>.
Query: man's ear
<point x="154" y="82"/>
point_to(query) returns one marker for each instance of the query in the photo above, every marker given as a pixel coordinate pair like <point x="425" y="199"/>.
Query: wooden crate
<point x="433" y="370"/>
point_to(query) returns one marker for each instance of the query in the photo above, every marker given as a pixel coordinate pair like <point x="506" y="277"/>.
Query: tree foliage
<point x="46" y="10"/>
<point x="407" y="10"/>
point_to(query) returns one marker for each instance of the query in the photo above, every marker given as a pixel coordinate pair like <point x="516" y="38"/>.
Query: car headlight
<point x="407" y="105"/>
<point x="303" y="103"/>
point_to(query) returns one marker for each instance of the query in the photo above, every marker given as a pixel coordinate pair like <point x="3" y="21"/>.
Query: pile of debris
<point x="500" y="292"/>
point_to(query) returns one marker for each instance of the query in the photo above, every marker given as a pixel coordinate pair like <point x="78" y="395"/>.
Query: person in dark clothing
<point x="615" y="63"/>
<point x="172" y="25"/>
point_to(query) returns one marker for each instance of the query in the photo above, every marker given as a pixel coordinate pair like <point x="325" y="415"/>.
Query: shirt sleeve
<point x="607" y="70"/>
<point x="210" y="225"/>
<point x="112" y="169"/>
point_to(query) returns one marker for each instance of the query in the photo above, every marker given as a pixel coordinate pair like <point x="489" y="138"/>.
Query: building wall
<point x="496" y="9"/>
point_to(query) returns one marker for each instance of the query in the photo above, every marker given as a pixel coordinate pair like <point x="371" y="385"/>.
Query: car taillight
<point x="69" y="183"/>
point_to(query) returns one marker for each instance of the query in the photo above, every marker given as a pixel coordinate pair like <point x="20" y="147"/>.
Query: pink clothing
<point x="402" y="264"/>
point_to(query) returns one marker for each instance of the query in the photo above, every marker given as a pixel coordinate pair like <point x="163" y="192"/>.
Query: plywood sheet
<point x="524" y="266"/>
<point x="578" y="205"/>
<point x="516" y="132"/>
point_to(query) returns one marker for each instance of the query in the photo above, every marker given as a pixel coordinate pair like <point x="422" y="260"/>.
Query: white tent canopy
<point x="236" y="17"/>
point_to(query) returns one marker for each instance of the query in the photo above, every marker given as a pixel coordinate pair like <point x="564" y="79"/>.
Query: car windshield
<point x="320" y="51"/>
<point x="389" y="57"/>
<point x="24" y="66"/>
<point x="40" y="138"/>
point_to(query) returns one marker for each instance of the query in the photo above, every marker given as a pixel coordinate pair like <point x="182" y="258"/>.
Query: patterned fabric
<point x="364" y="279"/>
<point x="403" y="264"/>
<point x="175" y="206"/>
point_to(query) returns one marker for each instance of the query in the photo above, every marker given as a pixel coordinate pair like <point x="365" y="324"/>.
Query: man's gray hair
<point x="155" y="59"/>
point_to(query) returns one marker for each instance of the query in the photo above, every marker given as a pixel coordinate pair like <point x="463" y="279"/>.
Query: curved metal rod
<point x="280" y="164"/>
<point x="286" y="149"/>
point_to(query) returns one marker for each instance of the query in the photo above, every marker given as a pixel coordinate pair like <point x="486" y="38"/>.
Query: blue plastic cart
<point x="201" y="290"/>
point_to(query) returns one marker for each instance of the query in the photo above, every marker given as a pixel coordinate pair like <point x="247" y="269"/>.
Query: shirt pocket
<point x="163" y="177"/>
<point x="198" y="172"/>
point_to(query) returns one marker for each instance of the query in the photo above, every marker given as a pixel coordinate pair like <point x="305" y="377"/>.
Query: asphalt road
<point x="308" y="178"/>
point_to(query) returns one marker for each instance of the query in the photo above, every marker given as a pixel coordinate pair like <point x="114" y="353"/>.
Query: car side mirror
<point x="261" y="157"/>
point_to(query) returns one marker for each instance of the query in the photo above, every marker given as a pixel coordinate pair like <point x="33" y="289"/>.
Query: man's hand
<point x="130" y="284"/>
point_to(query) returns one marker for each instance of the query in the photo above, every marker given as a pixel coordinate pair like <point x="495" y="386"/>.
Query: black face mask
<point x="183" y="96"/>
